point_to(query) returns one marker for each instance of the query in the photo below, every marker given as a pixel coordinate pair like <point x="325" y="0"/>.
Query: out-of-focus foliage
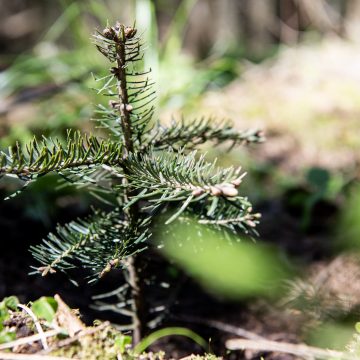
<point x="189" y="79"/>
<point x="333" y="335"/>
<point x="225" y="266"/>
<point x="53" y="78"/>
<point x="319" y="186"/>
<point x="307" y="99"/>
<point x="349" y="223"/>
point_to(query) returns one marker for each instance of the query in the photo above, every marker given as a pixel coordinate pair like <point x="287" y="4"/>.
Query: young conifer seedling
<point x="147" y="167"/>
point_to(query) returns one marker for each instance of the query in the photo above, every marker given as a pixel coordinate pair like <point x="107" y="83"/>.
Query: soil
<point x="190" y="306"/>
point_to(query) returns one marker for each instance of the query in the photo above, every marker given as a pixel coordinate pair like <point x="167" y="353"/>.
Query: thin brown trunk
<point x="134" y="268"/>
<point x="135" y="282"/>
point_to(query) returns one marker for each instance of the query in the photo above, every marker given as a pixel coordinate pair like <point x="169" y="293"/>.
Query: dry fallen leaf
<point x="66" y="318"/>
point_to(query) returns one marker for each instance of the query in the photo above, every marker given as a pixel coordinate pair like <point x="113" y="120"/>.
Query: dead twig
<point x="79" y="335"/>
<point x="29" y="339"/>
<point x="301" y="350"/>
<point x="231" y="329"/>
<point x="37" y="325"/>
<point x="68" y="341"/>
<point x="12" y="356"/>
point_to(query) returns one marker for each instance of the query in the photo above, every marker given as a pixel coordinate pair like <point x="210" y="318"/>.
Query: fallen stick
<point x="13" y="356"/>
<point x="231" y="329"/>
<point x="301" y="350"/>
<point x="65" y="342"/>
<point x="79" y="335"/>
<point x="37" y="325"/>
<point x="29" y="339"/>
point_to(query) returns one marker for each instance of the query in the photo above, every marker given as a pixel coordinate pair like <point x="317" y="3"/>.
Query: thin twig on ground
<point x="231" y="329"/>
<point x="82" y="333"/>
<point x="37" y="325"/>
<point x="12" y="356"/>
<point x="301" y="350"/>
<point x="29" y="339"/>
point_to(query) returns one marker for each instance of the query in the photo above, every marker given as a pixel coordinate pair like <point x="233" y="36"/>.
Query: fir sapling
<point x="145" y="166"/>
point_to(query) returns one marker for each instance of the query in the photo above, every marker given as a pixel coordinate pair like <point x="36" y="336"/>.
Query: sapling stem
<point x="134" y="271"/>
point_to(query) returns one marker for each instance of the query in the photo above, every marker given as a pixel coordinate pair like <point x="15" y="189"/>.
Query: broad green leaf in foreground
<point x="223" y="265"/>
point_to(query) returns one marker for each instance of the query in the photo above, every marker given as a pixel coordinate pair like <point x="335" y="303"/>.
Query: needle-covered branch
<point x="189" y="135"/>
<point x="50" y="155"/>
<point x="98" y="243"/>
<point x="169" y="177"/>
<point x="236" y="214"/>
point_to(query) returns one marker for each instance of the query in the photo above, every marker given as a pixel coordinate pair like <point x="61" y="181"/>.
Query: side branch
<point x="79" y="240"/>
<point x="48" y="155"/>
<point x="191" y="134"/>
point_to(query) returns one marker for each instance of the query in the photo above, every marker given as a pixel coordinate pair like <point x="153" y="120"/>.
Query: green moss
<point x="102" y="345"/>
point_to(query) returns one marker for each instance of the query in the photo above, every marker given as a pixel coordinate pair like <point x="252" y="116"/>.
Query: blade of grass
<point x="61" y="24"/>
<point x="170" y="331"/>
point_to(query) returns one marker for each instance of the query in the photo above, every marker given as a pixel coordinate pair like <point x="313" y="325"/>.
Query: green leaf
<point x="357" y="327"/>
<point x="45" y="308"/>
<point x="223" y="265"/>
<point x="10" y="302"/>
<point x="122" y="341"/>
<point x="4" y="314"/>
<point x="7" y="337"/>
<point x="318" y="178"/>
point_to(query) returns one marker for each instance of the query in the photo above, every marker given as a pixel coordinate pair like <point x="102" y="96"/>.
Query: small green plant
<point x="6" y="306"/>
<point x="143" y="169"/>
